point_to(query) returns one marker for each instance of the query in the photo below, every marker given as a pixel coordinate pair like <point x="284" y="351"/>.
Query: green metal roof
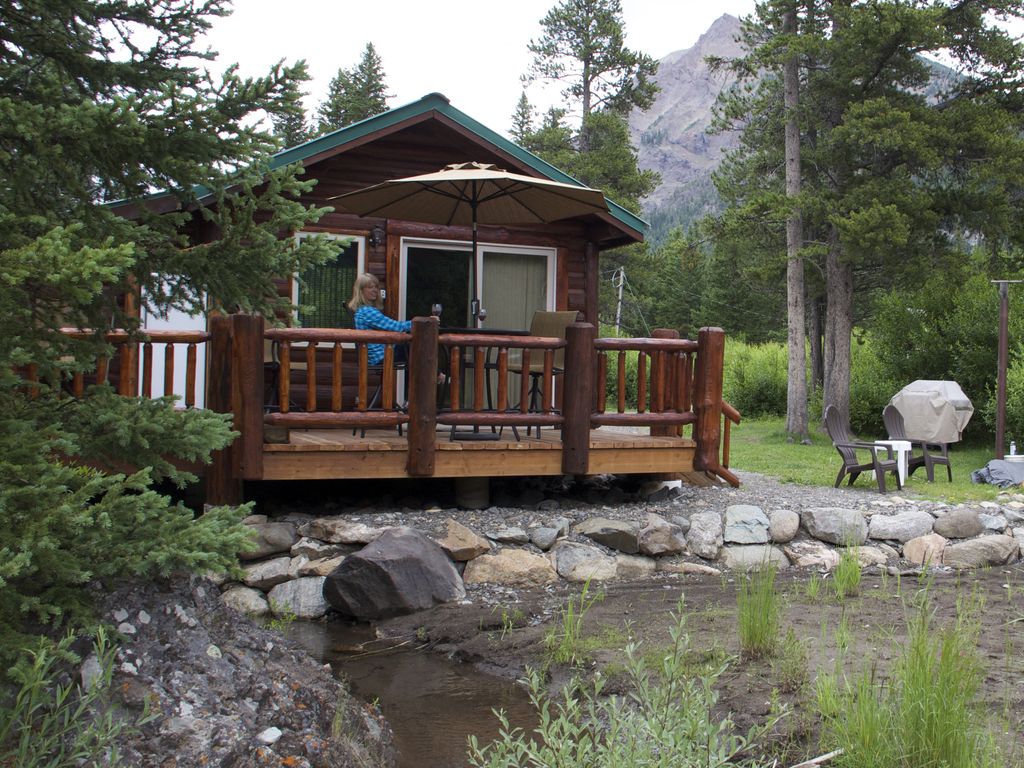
<point x="439" y="102"/>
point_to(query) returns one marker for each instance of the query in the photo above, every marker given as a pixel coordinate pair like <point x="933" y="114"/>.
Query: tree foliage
<point x="101" y="102"/>
<point x="354" y="94"/>
<point x="901" y="158"/>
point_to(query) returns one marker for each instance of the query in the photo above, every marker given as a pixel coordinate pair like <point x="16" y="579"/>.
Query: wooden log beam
<point x="247" y="380"/>
<point x="422" y="396"/>
<point x="708" y="397"/>
<point x="222" y="484"/>
<point x="579" y="397"/>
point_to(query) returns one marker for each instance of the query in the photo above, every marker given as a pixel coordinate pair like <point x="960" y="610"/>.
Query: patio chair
<point x="542" y="324"/>
<point x="848" y="446"/>
<point x="931" y="453"/>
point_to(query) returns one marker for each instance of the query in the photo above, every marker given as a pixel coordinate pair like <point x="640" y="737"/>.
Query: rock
<point x="901" y="527"/>
<point x="543" y="538"/>
<point x="511" y="535"/>
<point x="1018" y="534"/>
<point x="303" y="597"/>
<point x="660" y="537"/>
<point x="783" y="525"/>
<point x="681" y="566"/>
<point x="868" y="556"/>
<point x="579" y="562"/>
<point x="659" y="490"/>
<point x="461" y="543"/>
<point x="270" y="539"/>
<point x="400" y="572"/>
<point x="682" y="522"/>
<point x="753" y="556"/>
<point x="616" y="534"/>
<point x="315" y="549"/>
<point x="325" y="566"/>
<point x="745" y="524"/>
<point x="1014" y="512"/>
<point x="925" y="550"/>
<point x="704" y="538"/>
<point x="958" y="524"/>
<point x="811" y="554"/>
<point x="835" y="525"/>
<point x="995" y="523"/>
<point x="634" y="566"/>
<point x="268" y="573"/>
<point x="269" y="736"/>
<point x="891" y="553"/>
<point x="246" y="600"/>
<point x="985" y="550"/>
<point x="512" y="567"/>
<point x="341" y="530"/>
<point x="562" y="524"/>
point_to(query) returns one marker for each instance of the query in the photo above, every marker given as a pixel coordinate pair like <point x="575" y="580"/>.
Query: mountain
<point x="671" y="136"/>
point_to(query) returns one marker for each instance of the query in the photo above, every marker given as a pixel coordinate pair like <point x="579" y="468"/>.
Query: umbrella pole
<point x="474" y="304"/>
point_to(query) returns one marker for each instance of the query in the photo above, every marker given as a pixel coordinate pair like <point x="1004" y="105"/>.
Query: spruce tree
<point x="354" y="94"/>
<point x="103" y="102"/>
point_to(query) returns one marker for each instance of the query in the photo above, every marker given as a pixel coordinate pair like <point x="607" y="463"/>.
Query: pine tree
<point x="289" y="116"/>
<point x="354" y="94"/>
<point x="522" y="120"/>
<point x="101" y="101"/>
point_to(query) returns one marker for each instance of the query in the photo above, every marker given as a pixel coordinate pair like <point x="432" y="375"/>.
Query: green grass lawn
<point x="760" y="446"/>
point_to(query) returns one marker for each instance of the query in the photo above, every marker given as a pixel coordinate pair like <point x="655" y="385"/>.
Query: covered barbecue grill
<point x="933" y="411"/>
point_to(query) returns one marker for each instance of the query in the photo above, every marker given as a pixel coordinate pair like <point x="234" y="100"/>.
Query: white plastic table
<point x="902" y="450"/>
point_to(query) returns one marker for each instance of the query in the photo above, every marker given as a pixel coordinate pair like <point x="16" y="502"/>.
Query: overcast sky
<point x="472" y="51"/>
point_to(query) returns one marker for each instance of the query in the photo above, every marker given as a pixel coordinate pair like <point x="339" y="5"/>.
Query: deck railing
<point x="324" y="380"/>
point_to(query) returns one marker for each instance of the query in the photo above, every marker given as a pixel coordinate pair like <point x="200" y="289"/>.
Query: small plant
<point x="283" y="617"/>
<point x="847" y="575"/>
<point x="791" y="664"/>
<point x="666" y="720"/>
<point x="758" y="612"/>
<point x="842" y="636"/>
<point x="813" y="588"/>
<point x="61" y="724"/>
<point x="564" y="643"/>
<point x="510" y="618"/>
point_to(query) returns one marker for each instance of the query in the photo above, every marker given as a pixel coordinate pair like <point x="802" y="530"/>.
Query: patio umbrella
<point x="467" y="194"/>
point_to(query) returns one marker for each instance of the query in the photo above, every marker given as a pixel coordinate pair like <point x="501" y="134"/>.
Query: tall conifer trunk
<point x="796" y="392"/>
<point x="838" y="327"/>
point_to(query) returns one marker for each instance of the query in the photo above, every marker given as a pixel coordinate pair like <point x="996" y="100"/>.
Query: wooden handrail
<point x="340" y="335"/>
<point x="647" y="345"/>
<point x="155" y="336"/>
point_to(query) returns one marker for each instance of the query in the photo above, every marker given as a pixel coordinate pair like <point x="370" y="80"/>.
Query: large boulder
<point x="985" y="550"/>
<point x="402" y="571"/>
<point x="751" y="557"/>
<point x="811" y="554"/>
<point x="251" y="602"/>
<point x="783" y="525"/>
<point x="267" y="573"/>
<point x="745" y="524"/>
<point x="835" y="525"/>
<point x="340" y="530"/>
<point x="511" y="567"/>
<point x="616" y="534"/>
<point x="461" y="543"/>
<point x="705" y="535"/>
<point x="902" y="527"/>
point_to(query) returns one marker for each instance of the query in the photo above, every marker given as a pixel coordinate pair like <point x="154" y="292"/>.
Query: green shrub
<point x="47" y="722"/>
<point x="758" y="612"/>
<point x="871" y="387"/>
<point x="755" y="378"/>
<point x="666" y="720"/>
<point x="1014" y="400"/>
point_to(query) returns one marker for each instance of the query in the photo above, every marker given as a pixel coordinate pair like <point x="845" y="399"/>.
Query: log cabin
<point x="309" y="405"/>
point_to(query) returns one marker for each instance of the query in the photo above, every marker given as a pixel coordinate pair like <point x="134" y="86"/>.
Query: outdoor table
<point x="902" y="450"/>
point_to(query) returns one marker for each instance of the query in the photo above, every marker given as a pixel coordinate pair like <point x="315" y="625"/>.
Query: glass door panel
<point x="439" y="276"/>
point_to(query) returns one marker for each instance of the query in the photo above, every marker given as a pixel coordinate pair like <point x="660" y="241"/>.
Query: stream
<point x="431" y="702"/>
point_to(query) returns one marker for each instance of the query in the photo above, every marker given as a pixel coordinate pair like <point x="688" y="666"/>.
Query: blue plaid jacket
<point x="372" y="319"/>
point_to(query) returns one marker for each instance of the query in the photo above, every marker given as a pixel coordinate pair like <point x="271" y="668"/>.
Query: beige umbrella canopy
<point x="467" y="194"/>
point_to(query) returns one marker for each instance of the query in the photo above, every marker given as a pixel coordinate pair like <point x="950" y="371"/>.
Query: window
<point x="322" y="292"/>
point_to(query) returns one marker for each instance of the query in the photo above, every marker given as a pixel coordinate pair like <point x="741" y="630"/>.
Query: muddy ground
<point x="505" y="634"/>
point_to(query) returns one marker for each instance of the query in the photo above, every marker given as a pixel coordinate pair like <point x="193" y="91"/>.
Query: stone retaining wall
<point x="297" y="553"/>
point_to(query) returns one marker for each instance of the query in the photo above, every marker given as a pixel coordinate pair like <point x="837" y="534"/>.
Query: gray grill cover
<point x="936" y="411"/>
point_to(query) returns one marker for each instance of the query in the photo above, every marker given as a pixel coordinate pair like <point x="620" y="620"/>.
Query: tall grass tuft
<point x="847" y="575"/>
<point x="758" y="612"/>
<point x="564" y="643"/>
<point x="924" y="716"/>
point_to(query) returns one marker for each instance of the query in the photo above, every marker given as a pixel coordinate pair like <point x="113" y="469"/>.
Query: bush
<point x="756" y="377"/>
<point x="871" y="387"/>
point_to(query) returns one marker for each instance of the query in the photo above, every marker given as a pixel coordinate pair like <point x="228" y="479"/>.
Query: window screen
<point x="326" y="289"/>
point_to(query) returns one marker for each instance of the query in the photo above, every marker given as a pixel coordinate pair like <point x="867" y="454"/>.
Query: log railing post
<point x="422" y="372"/>
<point x="248" y="398"/>
<point x="223" y="486"/>
<point x="707" y="398"/>
<point x="578" y="398"/>
<point x="662" y="372"/>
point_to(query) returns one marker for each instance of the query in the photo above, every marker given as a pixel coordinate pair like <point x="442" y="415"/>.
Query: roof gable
<point x="436" y="107"/>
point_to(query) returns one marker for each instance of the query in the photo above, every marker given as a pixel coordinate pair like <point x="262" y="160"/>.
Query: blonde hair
<point x="358" y="301"/>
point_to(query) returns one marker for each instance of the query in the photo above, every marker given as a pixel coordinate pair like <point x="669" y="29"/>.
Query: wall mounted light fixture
<point x="377" y="236"/>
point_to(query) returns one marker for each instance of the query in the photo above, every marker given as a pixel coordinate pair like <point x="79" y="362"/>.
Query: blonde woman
<point x="366" y="305"/>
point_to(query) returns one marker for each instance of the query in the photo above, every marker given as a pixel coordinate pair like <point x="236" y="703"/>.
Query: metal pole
<point x="1004" y="317"/>
<point x="619" y="280"/>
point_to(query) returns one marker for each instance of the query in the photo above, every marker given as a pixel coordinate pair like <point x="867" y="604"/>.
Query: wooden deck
<point x="325" y="454"/>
